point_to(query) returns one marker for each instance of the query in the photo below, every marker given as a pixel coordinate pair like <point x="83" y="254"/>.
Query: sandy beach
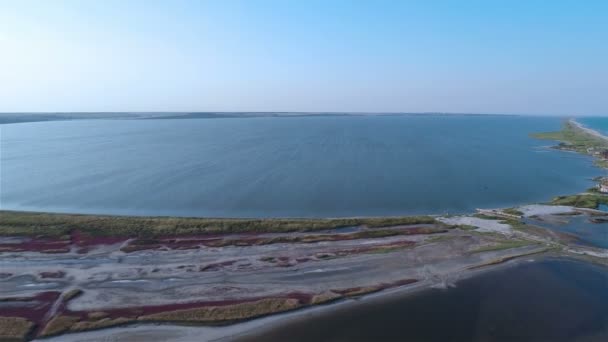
<point x="588" y="130"/>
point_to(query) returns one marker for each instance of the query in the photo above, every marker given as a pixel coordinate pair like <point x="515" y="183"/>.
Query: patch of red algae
<point x="60" y="245"/>
<point x="42" y="245"/>
<point x="84" y="240"/>
<point x="43" y="302"/>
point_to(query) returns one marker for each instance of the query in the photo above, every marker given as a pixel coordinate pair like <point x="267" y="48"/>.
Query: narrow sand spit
<point x="588" y="130"/>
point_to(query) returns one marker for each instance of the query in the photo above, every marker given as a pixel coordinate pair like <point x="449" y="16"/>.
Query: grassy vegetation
<point x="487" y="217"/>
<point x="573" y="138"/>
<point x="466" y="227"/>
<point x="502" y="245"/>
<point x="591" y="201"/>
<point x="60" y="225"/>
<point x="516" y="224"/>
<point x="513" y="211"/>
<point x="14" y="328"/>
<point x="440" y="238"/>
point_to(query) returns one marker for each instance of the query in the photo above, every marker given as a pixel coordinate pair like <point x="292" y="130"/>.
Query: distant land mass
<point x="8" y="118"/>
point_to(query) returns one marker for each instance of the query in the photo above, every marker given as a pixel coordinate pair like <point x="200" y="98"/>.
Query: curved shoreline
<point x="489" y="252"/>
<point x="259" y="326"/>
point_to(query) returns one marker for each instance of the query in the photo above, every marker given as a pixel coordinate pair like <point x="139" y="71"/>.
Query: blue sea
<point x="325" y="166"/>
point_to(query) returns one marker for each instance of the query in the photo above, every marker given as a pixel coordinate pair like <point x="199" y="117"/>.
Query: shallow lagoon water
<point x="305" y="167"/>
<point x="587" y="233"/>
<point x="550" y="300"/>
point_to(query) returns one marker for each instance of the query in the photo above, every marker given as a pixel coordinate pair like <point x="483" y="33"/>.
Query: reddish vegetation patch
<point x="35" y="313"/>
<point x="43" y="245"/>
<point x="44" y="301"/>
<point x="84" y="240"/>
<point x="54" y="275"/>
<point x="59" y="245"/>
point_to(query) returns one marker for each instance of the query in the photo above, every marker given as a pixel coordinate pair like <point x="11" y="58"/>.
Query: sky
<point x="510" y="57"/>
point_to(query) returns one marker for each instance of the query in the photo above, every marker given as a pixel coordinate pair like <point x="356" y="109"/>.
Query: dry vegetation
<point x="14" y="328"/>
<point x="324" y="297"/>
<point x="226" y="313"/>
<point x="99" y="323"/>
<point x="359" y="291"/>
<point x="58" y="325"/>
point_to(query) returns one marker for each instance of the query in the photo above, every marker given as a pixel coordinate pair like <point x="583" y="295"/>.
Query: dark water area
<point x="551" y="300"/>
<point x="285" y="167"/>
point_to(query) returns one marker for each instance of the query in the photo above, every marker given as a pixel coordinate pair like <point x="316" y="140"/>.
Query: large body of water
<point x="306" y="167"/>
<point x="552" y="300"/>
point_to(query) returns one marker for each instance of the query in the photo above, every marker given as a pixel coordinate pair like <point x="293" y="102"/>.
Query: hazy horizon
<point x="168" y="112"/>
<point x="518" y="58"/>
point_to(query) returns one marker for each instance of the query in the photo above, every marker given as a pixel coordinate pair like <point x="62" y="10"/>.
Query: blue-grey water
<point x="586" y="232"/>
<point x="552" y="300"/>
<point x="305" y="166"/>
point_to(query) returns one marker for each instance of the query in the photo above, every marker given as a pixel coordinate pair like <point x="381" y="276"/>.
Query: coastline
<point x="588" y="130"/>
<point x="259" y="326"/>
<point x="492" y="249"/>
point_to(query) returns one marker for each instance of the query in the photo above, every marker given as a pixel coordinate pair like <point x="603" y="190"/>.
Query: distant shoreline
<point x="13" y="118"/>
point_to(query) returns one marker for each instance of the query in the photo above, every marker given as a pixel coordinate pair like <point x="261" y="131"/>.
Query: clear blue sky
<point x="536" y="57"/>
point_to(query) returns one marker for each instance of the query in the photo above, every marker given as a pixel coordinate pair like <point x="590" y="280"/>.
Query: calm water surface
<point x="553" y="300"/>
<point x="587" y="233"/>
<point x="261" y="167"/>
